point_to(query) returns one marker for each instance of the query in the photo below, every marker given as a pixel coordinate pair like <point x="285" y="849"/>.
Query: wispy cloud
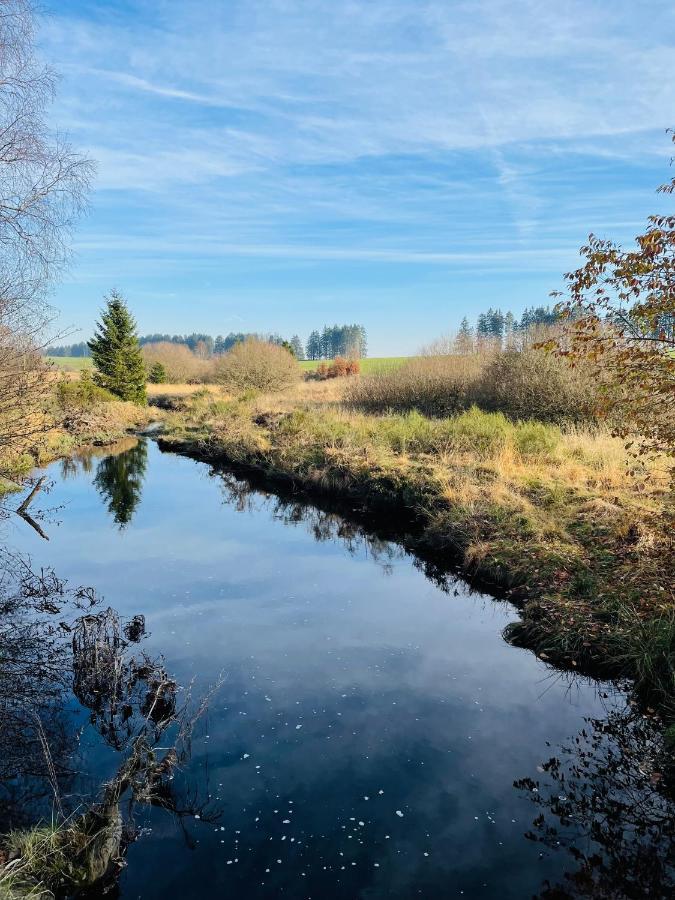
<point x="423" y="133"/>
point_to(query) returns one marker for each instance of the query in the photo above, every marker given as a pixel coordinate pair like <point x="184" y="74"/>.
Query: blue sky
<point x="278" y="164"/>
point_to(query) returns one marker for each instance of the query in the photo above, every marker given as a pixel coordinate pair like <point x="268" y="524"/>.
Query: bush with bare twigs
<point x="258" y="365"/>
<point x="181" y="365"/>
<point x="433" y="385"/>
<point x="525" y="384"/>
<point x="535" y="385"/>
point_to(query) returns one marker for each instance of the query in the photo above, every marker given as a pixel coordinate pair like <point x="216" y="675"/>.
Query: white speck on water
<point x="286" y="822"/>
<point x="399" y="813"/>
<point x="197" y="817"/>
<point x="380" y="792"/>
<point x="246" y="755"/>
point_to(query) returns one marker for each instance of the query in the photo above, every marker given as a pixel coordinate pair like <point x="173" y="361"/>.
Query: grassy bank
<point x="70" y="420"/>
<point x="551" y="516"/>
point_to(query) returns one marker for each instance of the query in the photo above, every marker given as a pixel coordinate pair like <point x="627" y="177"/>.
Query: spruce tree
<point x="116" y="352"/>
<point x="157" y="374"/>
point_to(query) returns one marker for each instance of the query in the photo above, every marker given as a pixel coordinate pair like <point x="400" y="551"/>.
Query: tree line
<point x="497" y="324"/>
<point x="332" y="341"/>
<point x="337" y="340"/>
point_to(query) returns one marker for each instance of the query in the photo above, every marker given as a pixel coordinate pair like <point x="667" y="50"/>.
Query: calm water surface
<point x="370" y="725"/>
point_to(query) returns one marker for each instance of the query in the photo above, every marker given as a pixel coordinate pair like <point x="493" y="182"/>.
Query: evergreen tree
<point x="296" y="347"/>
<point x="464" y="338"/>
<point x="314" y="345"/>
<point x="157" y="374"/>
<point x="116" y="352"/>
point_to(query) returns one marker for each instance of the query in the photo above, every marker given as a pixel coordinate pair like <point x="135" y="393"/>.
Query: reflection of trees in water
<point x="604" y="802"/>
<point x="326" y="524"/>
<point x="83" y="461"/>
<point x="323" y="525"/>
<point x="119" y="480"/>
<point x="34" y="686"/>
<point x="53" y="644"/>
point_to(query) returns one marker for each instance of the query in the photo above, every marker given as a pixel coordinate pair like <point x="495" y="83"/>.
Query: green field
<point x="70" y="363"/>
<point x="368" y="365"/>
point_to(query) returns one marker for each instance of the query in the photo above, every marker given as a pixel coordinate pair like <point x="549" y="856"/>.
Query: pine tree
<point x="296" y="345"/>
<point x="464" y="337"/>
<point x="116" y="352"/>
<point x="157" y="374"/>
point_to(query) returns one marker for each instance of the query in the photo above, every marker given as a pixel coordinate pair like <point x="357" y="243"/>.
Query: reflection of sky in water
<point x="370" y="726"/>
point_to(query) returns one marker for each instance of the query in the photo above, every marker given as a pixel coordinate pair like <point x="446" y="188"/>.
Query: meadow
<point x="70" y="363"/>
<point x="368" y="364"/>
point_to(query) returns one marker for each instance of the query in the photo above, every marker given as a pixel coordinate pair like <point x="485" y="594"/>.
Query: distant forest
<point x="496" y="324"/>
<point x="331" y="341"/>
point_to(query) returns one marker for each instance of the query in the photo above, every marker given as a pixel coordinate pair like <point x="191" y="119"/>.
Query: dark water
<point x="366" y="737"/>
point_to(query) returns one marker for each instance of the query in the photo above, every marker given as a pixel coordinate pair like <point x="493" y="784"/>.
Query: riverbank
<point x="553" y="518"/>
<point x="70" y="427"/>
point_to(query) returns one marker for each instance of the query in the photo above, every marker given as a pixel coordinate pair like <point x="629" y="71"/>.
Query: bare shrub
<point x="181" y="365"/>
<point x="534" y="385"/>
<point x="256" y="364"/>
<point x="433" y="385"/>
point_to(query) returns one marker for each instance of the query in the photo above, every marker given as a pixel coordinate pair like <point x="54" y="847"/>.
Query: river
<point x="366" y="722"/>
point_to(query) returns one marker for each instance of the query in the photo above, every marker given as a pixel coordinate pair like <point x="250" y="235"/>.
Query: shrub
<point x="339" y="368"/>
<point x="434" y="385"/>
<point x="81" y="394"/>
<point x="181" y="365"/>
<point x="257" y="364"/>
<point x="534" y="385"/>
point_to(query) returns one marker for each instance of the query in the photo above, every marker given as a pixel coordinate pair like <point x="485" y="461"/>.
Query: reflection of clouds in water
<point x="321" y="524"/>
<point x="396" y="687"/>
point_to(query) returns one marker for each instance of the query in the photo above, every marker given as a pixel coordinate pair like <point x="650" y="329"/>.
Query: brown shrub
<point x="527" y="384"/>
<point x="257" y="364"/>
<point x="433" y="385"/>
<point x="181" y="365"/>
<point x="535" y="385"/>
<point x="339" y="368"/>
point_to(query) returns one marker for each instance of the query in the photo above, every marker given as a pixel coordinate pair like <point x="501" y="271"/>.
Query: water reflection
<point x="367" y="738"/>
<point x="34" y="686"/>
<point x="119" y="480"/>
<point x="329" y="522"/>
<point x="602" y="800"/>
<point x="55" y="644"/>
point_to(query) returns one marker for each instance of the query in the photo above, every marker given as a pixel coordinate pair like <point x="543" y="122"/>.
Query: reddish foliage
<point x="338" y="368"/>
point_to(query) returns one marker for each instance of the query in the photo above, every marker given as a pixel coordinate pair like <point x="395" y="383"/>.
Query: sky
<point x="276" y="165"/>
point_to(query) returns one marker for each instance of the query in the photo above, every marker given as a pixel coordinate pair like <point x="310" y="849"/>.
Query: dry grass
<point x="178" y="389"/>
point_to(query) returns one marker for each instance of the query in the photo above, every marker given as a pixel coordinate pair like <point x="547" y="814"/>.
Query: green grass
<point x="70" y="363"/>
<point x="368" y="365"/>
